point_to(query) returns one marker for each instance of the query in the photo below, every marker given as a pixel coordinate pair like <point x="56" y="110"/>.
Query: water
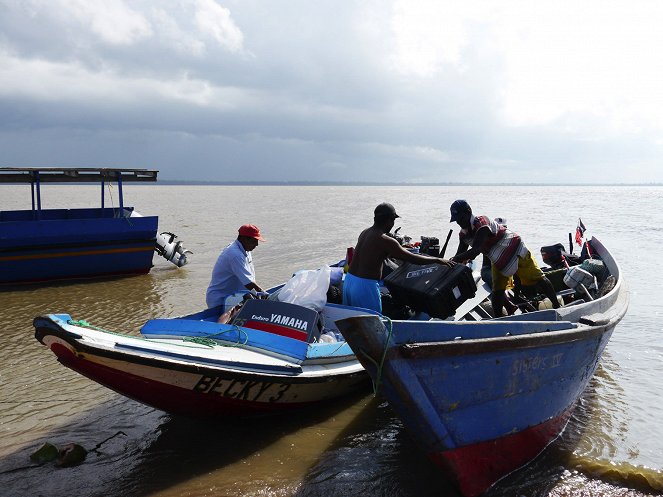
<point x="613" y="445"/>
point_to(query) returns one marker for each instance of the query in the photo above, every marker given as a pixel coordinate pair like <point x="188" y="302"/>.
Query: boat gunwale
<point x="79" y="346"/>
<point x="528" y="340"/>
<point x="497" y="344"/>
<point x="584" y="330"/>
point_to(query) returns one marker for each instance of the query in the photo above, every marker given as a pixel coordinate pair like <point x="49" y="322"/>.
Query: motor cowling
<point x="169" y="249"/>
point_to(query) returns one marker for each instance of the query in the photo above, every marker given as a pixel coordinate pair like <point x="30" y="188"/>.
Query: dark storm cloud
<point x="254" y="90"/>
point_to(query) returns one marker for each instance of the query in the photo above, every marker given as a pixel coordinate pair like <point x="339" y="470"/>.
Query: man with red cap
<point x="233" y="275"/>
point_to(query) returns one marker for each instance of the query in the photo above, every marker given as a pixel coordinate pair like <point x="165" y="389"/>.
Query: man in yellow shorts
<point x="507" y="253"/>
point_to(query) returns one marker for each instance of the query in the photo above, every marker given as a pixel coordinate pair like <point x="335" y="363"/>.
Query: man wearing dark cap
<point x="507" y="253"/>
<point x="361" y="287"/>
<point x="233" y="275"/>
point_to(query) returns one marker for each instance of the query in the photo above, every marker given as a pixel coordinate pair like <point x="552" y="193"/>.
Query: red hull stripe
<point x="145" y="248"/>
<point x="278" y="330"/>
<point x="475" y="468"/>
<point x="167" y="397"/>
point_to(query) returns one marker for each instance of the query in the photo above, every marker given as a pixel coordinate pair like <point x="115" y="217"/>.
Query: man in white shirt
<point x="233" y="275"/>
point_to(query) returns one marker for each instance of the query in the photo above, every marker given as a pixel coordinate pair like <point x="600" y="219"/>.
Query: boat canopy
<point x="74" y="174"/>
<point x="37" y="175"/>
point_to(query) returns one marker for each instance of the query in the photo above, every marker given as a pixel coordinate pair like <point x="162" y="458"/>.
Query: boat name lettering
<point x="420" y="272"/>
<point x="290" y="321"/>
<point x="522" y="366"/>
<point x="241" y="389"/>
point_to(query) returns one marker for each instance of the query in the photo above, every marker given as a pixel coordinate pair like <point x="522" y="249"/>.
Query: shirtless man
<point x="361" y="287"/>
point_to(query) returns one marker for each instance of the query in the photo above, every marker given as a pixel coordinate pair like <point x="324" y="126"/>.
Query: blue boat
<point x="483" y="396"/>
<point x="38" y="245"/>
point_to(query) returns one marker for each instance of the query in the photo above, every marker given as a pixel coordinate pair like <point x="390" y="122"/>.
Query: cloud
<point x="215" y="20"/>
<point x="395" y="91"/>
<point x="111" y="20"/>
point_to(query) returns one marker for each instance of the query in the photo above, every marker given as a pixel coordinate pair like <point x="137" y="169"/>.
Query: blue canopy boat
<point x="40" y="244"/>
<point x="482" y="395"/>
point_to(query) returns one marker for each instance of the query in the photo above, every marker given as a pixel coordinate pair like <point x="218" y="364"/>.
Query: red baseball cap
<point x="251" y="231"/>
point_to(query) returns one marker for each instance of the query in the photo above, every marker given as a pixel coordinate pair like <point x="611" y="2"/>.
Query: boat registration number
<point x="255" y="391"/>
<point x="534" y="363"/>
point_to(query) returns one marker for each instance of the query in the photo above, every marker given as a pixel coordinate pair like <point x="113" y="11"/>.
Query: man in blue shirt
<point x="233" y="275"/>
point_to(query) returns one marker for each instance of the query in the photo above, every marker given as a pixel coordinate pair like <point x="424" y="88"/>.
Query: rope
<point x="379" y="367"/>
<point x="85" y="324"/>
<point x="109" y="185"/>
<point x="209" y="341"/>
<point x="98" y="446"/>
<point x="116" y="213"/>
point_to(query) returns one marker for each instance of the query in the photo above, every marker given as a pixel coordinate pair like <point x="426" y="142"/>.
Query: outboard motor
<point x="169" y="249"/>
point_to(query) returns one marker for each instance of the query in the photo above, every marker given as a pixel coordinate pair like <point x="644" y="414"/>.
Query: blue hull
<point x="74" y="243"/>
<point x="484" y="398"/>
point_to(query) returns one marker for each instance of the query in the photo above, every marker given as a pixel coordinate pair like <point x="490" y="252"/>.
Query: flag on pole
<point x="580" y="232"/>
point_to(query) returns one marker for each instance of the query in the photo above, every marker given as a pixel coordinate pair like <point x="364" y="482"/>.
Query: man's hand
<point x="445" y="262"/>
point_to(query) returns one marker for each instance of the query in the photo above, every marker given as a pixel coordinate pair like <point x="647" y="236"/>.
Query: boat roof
<point x="74" y="174"/>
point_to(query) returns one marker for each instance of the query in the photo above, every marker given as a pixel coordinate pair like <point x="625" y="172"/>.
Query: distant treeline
<point x="356" y="183"/>
<point x="373" y="183"/>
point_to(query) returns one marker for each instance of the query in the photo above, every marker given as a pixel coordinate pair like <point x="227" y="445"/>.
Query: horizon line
<point x="384" y="183"/>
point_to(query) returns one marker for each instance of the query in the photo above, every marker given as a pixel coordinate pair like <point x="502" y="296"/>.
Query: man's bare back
<point x="361" y="286"/>
<point x="373" y="247"/>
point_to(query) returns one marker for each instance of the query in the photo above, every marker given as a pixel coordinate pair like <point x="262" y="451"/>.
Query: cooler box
<point x="434" y="289"/>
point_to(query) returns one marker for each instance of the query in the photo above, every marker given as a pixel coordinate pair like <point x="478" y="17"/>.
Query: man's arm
<point x="253" y="286"/>
<point x="462" y="247"/>
<point x="395" y="250"/>
<point x="470" y="254"/>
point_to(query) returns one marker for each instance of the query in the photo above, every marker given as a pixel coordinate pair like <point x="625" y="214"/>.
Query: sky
<point x="431" y="91"/>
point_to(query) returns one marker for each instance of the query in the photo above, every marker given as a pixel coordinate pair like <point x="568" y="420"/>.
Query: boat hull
<point x="484" y="463"/>
<point x="481" y="411"/>
<point x="484" y="398"/>
<point x="74" y="244"/>
<point x="196" y="388"/>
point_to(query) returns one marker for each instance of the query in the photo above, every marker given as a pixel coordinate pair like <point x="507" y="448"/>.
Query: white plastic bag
<point x="307" y="288"/>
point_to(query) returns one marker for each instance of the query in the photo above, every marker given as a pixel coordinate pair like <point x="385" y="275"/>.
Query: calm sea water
<point x="613" y="445"/>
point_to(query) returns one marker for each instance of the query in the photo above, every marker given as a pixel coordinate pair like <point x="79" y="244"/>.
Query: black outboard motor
<point x="554" y="256"/>
<point x="430" y="246"/>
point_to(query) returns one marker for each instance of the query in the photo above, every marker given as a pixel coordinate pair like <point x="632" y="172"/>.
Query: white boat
<point x="271" y="359"/>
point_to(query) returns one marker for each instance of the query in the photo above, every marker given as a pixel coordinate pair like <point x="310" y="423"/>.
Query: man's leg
<point x="497" y="299"/>
<point x="530" y="274"/>
<point x="546" y="287"/>
<point x="497" y="296"/>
